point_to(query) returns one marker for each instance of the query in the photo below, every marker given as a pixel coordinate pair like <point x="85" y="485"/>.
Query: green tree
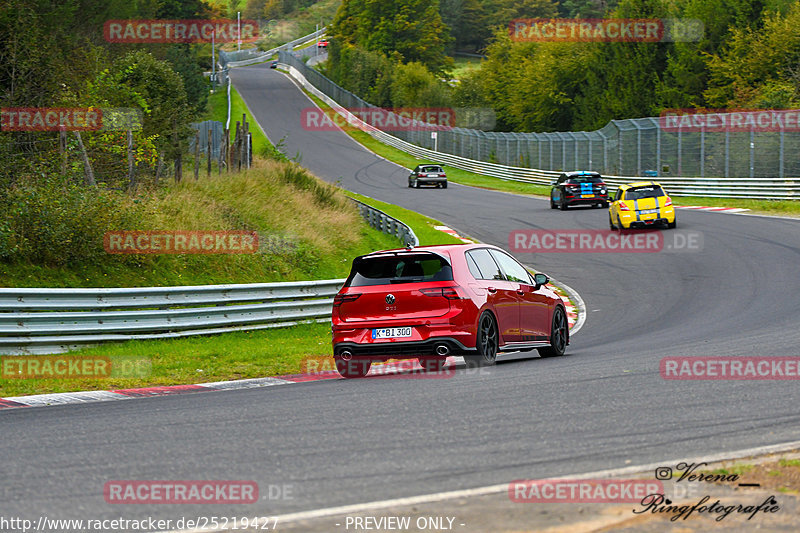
<point x="182" y="9"/>
<point x="623" y="77"/>
<point x="585" y="8"/>
<point x="140" y="80"/>
<point x="760" y="67"/>
<point x="409" y="30"/>
<point x="416" y="86"/>
<point x="185" y="61"/>
<point x="368" y="74"/>
<point x="686" y="76"/>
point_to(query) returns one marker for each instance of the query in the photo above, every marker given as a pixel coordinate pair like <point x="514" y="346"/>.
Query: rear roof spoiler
<point x="407" y="251"/>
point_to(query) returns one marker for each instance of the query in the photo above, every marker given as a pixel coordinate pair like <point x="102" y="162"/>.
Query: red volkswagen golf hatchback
<point x="429" y="302"/>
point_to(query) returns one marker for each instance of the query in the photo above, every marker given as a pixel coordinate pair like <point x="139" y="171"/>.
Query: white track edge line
<point x="579" y="303"/>
<point x="503" y="487"/>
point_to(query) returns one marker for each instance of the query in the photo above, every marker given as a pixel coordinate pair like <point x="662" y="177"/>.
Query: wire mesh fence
<point x="631" y="147"/>
<point x="217" y="130"/>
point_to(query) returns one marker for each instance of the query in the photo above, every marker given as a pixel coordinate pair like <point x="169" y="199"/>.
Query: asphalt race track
<point x="337" y="442"/>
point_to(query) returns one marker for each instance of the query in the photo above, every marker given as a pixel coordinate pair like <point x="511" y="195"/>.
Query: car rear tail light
<point x="623" y="207"/>
<point x="451" y="293"/>
<point x="420" y="175"/>
<point x="339" y="299"/>
<point x="668" y="202"/>
<point x="442" y="175"/>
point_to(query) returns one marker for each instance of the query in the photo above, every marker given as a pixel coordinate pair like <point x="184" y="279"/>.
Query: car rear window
<point x="651" y="191"/>
<point x="432" y="169"/>
<point x="584" y="179"/>
<point x="404" y="268"/>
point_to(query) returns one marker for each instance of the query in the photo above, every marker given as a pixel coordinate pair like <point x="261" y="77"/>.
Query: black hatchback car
<point x="578" y="188"/>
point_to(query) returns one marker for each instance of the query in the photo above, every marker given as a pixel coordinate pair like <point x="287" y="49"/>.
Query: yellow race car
<point x="642" y="204"/>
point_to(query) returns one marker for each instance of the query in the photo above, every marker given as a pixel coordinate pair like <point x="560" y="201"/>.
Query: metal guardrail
<point x="387" y="223"/>
<point x="251" y="56"/>
<point x="41" y="321"/>
<point x="753" y="187"/>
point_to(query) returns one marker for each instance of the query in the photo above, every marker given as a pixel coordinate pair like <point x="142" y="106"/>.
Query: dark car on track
<point x="473" y="300"/>
<point x="428" y="174"/>
<point x="578" y="188"/>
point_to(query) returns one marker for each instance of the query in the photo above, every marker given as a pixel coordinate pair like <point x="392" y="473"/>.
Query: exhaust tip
<point x="346" y="355"/>
<point x="442" y="349"/>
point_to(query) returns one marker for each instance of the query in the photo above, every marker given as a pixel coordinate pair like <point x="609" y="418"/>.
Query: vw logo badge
<point x="390" y="299"/>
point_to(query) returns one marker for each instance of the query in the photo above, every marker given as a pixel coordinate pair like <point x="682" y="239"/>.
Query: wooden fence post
<point x="236" y="150"/>
<point x="159" y="166"/>
<point x="87" y="165"/>
<point x="131" y="162"/>
<point x="179" y="155"/>
<point x="196" y="154"/>
<point x="208" y="152"/>
<point x="62" y="149"/>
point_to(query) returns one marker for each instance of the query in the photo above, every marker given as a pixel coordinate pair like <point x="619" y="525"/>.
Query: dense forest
<point x="398" y="53"/>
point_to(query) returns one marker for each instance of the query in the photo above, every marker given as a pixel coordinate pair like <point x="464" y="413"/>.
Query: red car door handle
<point x="491" y="289"/>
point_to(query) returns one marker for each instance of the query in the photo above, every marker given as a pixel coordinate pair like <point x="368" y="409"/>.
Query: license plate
<point x="648" y="211"/>
<point x="391" y="333"/>
<point x="587" y="195"/>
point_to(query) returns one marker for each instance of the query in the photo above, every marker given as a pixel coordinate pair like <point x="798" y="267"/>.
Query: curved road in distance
<point x="603" y="405"/>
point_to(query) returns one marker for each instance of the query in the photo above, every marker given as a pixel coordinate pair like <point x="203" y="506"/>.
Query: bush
<point x="56" y="222"/>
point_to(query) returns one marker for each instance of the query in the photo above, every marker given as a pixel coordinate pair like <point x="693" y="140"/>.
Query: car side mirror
<point x="540" y="279"/>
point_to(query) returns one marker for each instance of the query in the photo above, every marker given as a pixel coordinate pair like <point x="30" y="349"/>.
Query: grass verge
<point x="422" y="226"/>
<point x="465" y="65"/>
<point x="192" y="360"/>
